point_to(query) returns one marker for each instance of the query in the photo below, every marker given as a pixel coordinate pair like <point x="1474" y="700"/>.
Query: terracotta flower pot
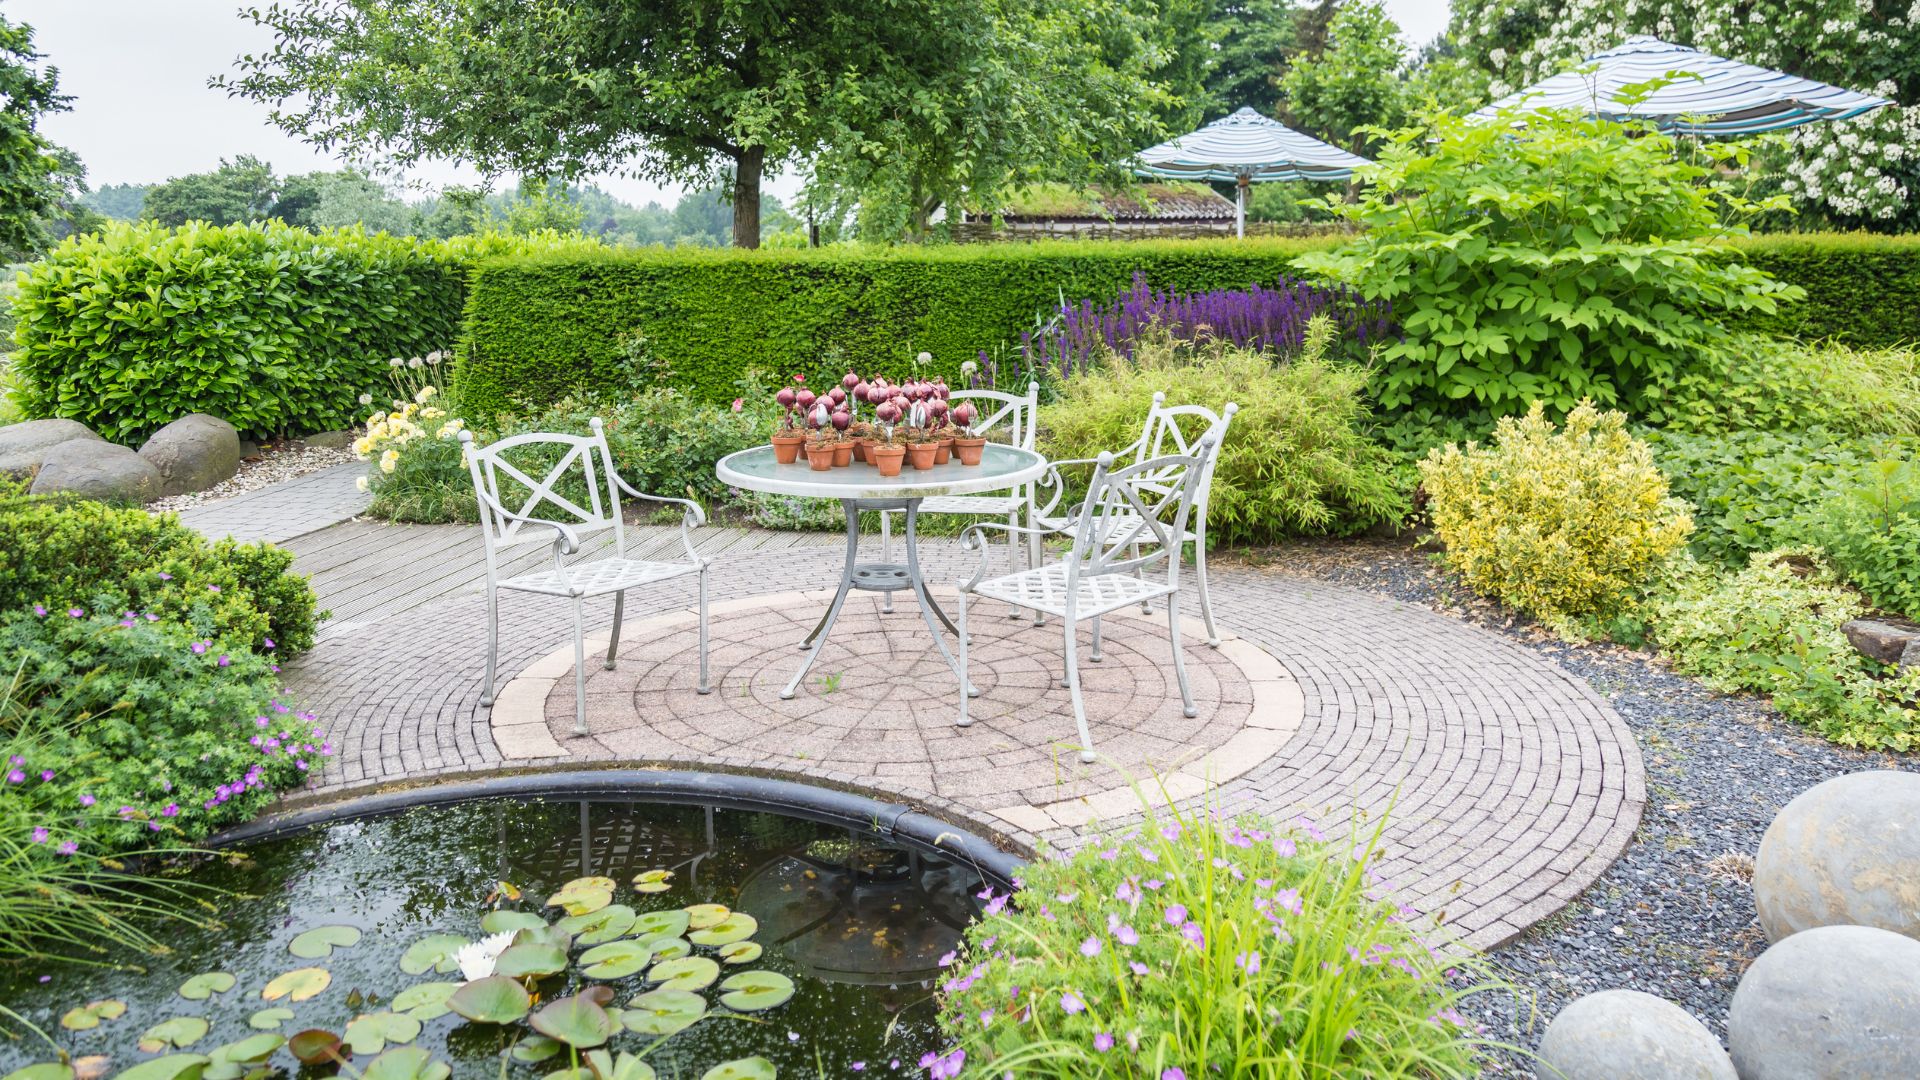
<point x="820" y="458"/>
<point x="943" y="451"/>
<point x="863" y="450"/>
<point x="887" y="458"/>
<point x="970" y="449"/>
<point x="922" y="454"/>
<point x="786" y="448"/>
<point x="842" y="454"/>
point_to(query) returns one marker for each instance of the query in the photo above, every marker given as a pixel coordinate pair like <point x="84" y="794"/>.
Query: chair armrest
<point x="565" y="540"/>
<point x="971" y="539"/>
<point x="691" y="510"/>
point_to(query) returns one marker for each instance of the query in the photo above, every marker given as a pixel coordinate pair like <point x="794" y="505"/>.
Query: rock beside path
<point x="193" y="453"/>
<point x="23" y="447"/>
<point x="1890" y="641"/>
<point x="97" y="469"/>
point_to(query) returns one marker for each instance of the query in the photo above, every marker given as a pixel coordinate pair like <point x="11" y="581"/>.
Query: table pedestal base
<point x="886" y="578"/>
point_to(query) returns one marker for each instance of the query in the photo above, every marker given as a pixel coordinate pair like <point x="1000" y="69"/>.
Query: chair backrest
<point x="1135" y="517"/>
<point x="553" y="457"/>
<point x="1014" y="414"/>
<point x="1175" y="430"/>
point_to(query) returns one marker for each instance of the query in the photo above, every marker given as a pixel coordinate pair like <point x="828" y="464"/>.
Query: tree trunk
<point x="746" y="197"/>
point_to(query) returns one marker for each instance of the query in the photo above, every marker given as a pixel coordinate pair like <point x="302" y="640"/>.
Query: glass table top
<point x="1000" y="467"/>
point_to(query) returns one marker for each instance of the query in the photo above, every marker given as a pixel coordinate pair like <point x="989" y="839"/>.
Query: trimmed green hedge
<point x="1862" y="288"/>
<point x="539" y="329"/>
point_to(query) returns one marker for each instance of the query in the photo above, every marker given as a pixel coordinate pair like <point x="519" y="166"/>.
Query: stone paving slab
<point x="280" y="512"/>
<point x="1507" y="784"/>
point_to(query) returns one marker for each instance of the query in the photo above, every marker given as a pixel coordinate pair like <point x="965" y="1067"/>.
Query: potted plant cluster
<point x="875" y="422"/>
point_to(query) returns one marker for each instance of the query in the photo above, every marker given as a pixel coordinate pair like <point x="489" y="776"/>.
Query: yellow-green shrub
<point x="1560" y="524"/>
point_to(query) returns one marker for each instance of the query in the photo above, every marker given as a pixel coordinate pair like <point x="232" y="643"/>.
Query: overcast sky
<point x="142" y="112"/>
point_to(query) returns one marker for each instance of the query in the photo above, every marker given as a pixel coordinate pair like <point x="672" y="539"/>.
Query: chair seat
<point x="1104" y="525"/>
<point x="599" y="577"/>
<point x="995" y="505"/>
<point x="1045" y="590"/>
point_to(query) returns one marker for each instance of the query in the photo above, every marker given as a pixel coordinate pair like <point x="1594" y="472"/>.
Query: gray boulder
<point x="1843" y="852"/>
<point x="1830" y="1003"/>
<point x="24" y="446"/>
<point x="193" y="453"/>
<point x="330" y="440"/>
<point x="1628" y="1035"/>
<point x="1890" y="641"/>
<point x="98" y="470"/>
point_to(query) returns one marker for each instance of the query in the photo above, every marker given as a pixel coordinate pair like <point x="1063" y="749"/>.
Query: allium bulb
<point x="938" y="407"/>
<point x="963" y="413"/>
<point x="849" y="380"/>
<point x="878" y="394"/>
<point x="836" y="395"/>
<point x="806" y="398"/>
<point x="888" y="412"/>
<point x="860" y="390"/>
<point x="842" y="420"/>
<point x="785" y="397"/>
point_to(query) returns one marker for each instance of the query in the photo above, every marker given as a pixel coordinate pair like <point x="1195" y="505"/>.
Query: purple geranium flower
<point x="1176" y="914"/>
<point x="1070" y="1003"/>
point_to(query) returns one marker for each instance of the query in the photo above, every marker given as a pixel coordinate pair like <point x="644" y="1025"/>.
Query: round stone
<point x="193" y="453"/>
<point x="1833" y="1001"/>
<point x="1845" y="852"/>
<point x="1628" y="1035"/>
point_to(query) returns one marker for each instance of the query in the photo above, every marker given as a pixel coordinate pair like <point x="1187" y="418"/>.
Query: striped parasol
<point x="1247" y="147"/>
<point x="1707" y="94"/>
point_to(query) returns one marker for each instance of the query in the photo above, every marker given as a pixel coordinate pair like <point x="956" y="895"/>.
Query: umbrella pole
<point x="1240" y="208"/>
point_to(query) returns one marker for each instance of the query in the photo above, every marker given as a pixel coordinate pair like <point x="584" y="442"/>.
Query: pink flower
<point x="40" y="834"/>
<point x="1103" y="1042"/>
<point x="738" y="403"/>
<point x="1139" y="968"/>
<point x="268" y="642"/>
<point x="223" y="661"/>
<point x="1090" y="947"/>
<point x="17" y="776"/>
<point x="1125" y="935"/>
<point x="76" y="612"/>
<point x="164" y="576"/>
<point x="39" y="609"/>
<point x="1248" y="962"/>
<point x="1193" y="934"/>
<point x="213" y="588"/>
<point x="1176" y="914"/>
<point x="199" y="648"/>
<point x="68" y="847"/>
<point x="1070" y="1003"/>
<point x="87" y="800"/>
<point x="1175" y="1073"/>
<point x="46" y="774"/>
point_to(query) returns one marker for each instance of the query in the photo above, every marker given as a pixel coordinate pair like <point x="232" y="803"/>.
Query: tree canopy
<point x="40" y="183"/>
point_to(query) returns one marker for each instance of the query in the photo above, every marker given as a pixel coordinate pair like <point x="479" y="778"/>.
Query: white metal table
<point x="861" y="487"/>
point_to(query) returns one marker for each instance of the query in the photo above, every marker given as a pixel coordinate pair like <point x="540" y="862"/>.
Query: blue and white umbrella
<point x="1707" y="94"/>
<point x="1245" y="148"/>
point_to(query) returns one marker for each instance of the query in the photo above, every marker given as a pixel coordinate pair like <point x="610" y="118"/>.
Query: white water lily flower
<point x="476" y="958"/>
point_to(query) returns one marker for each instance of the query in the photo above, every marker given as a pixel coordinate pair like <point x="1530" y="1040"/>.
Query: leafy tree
<point x="919" y="100"/>
<point x="350" y="197"/>
<point x="120" y="202"/>
<point x="240" y="190"/>
<point x="37" y="178"/>
<point x="1255" y="40"/>
<point x="1353" y="82"/>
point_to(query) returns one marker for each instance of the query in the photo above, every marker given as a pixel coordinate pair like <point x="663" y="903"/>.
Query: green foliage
<point x="1863" y="290"/>
<point x="664" y="443"/>
<point x="1564" y="525"/>
<point x="1872" y="533"/>
<point x="1202" y="947"/>
<point x="1254" y="39"/>
<point x="1755" y="490"/>
<point x="237" y="192"/>
<point x="1774" y="628"/>
<point x="1756" y="383"/>
<point x="1574" y="262"/>
<point x="541" y="329"/>
<point x="1353" y="83"/>
<point x="1297" y="461"/>
<point x="31" y="168"/>
<point x="75" y="553"/>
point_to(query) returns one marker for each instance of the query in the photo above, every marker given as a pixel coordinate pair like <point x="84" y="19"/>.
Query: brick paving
<point x="1510" y="784"/>
<point x="280" y="512"/>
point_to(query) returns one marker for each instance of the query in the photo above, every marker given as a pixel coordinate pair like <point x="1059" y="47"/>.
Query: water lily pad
<point x="171" y="1067"/>
<point x="596" y="927"/>
<point x="653" y="881"/>
<point x="701" y="916"/>
<point x="91" y="1066"/>
<point x="686" y="973"/>
<point x="319" y="942"/>
<point x="433" y="953"/>
<point x="501" y="922"/>
<point x="738" y="926"/>
<point x="246" y="1051"/>
<point x="531" y="958"/>
<point x="663" y="1012"/>
<point x="672" y="923"/>
<point x="604" y="1066"/>
<point x="179" y="1032"/>
<point x="269" y="1019"/>
<point x="406" y="1063"/>
<point x="202" y="987"/>
<point x="575" y="1021"/>
<point x="316" y="1046"/>
<point x="665" y="947"/>
<point x="297" y="985"/>
<point x="751" y="991"/>
<point x="599" y="995"/>
<point x="46" y="1070"/>
<point x="615" y="959"/>
<point x="495" y="999"/>
<point x="582" y="896"/>
<point x="371" y="1033"/>
<point x="543" y="935"/>
<point x="89" y="1016"/>
<point x="740" y="952"/>
<point x="425" y="1001"/>
<point x="536" y="1048"/>
<point x="753" y="1068"/>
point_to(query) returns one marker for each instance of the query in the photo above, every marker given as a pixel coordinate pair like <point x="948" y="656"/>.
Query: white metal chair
<point x="1111" y="566"/>
<point x="1016" y="415"/>
<point x="503" y="528"/>
<point x="1169" y="429"/>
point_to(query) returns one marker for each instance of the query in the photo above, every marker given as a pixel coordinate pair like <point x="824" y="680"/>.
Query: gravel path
<point x="275" y="463"/>
<point x="1675" y="916"/>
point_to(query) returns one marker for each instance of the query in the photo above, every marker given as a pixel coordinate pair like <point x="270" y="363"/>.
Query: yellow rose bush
<point x="1566" y="525"/>
<point x="419" y="468"/>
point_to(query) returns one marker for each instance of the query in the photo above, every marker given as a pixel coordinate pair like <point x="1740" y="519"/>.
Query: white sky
<point x="142" y="111"/>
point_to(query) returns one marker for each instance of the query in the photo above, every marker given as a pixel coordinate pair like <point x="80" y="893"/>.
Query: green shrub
<point x="1755" y="491"/>
<point x="1202" y="947"/>
<point x="1872" y="533"/>
<point x="1758" y="383"/>
<point x="1774" y="628"/>
<point x="1863" y="289"/>
<point x="1297" y="459"/>
<point x="1564" y="525"/>
<point x="544" y="328"/>
<point x="664" y="443"/>
<point x="74" y="553"/>
<point x="1575" y="262"/>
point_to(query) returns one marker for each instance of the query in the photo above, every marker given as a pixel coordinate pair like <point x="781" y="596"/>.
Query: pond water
<point x="857" y="924"/>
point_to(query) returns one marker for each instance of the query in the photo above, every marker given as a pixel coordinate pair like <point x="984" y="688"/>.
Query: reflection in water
<point x="857" y="923"/>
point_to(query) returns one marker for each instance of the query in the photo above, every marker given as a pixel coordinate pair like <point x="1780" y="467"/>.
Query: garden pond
<point x="788" y="944"/>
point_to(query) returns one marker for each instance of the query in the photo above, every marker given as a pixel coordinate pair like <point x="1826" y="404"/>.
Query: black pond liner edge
<point x="894" y="822"/>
